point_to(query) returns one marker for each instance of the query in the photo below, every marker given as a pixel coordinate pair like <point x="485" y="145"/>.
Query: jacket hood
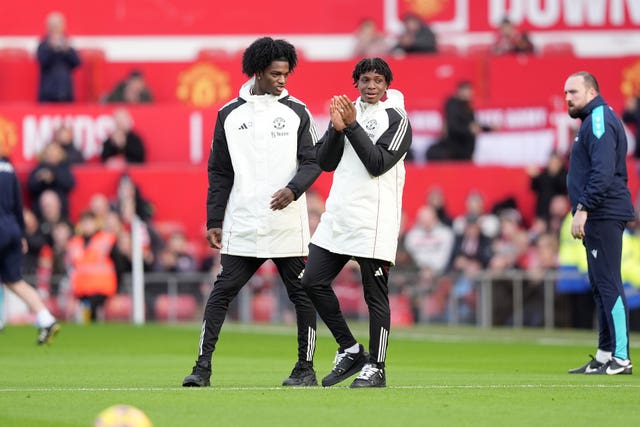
<point x="245" y="93"/>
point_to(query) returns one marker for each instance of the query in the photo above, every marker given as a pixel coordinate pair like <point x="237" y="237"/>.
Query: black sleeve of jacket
<point x="330" y="148"/>
<point x="308" y="169"/>
<point x="221" y="176"/>
<point x="390" y="148"/>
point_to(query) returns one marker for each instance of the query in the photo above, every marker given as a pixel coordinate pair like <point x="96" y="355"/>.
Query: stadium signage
<point x="589" y="14"/>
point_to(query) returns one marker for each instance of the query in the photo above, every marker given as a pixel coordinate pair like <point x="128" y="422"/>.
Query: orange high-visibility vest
<point x="92" y="269"/>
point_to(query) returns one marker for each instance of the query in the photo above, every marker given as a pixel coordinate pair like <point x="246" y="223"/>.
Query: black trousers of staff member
<point x="236" y="272"/>
<point x="322" y="268"/>
<point x="603" y="241"/>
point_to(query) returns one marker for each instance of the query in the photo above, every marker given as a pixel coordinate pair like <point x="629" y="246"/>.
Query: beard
<point x="574" y="112"/>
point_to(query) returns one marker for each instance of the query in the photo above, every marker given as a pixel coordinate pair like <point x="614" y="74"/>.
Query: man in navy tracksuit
<point x="601" y="206"/>
<point x="12" y="246"/>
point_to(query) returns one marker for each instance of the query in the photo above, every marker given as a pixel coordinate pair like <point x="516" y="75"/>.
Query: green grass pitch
<point x="435" y="375"/>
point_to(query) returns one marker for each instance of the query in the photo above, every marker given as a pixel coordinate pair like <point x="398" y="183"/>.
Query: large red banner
<point x="205" y="17"/>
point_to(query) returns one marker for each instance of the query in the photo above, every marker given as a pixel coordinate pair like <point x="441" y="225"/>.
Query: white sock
<point x="44" y="318"/>
<point x="603" y="356"/>
<point x="622" y="362"/>
<point x="353" y="349"/>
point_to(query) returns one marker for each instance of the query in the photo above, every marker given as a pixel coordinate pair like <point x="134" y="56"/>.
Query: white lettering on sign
<point x="572" y="13"/>
<point x="526" y="118"/>
<point x="425" y="120"/>
<point x="515" y="118"/>
<point x="88" y="132"/>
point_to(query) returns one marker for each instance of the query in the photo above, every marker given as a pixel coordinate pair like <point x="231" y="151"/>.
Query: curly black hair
<point x="377" y="65"/>
<point x="262" y="52"/>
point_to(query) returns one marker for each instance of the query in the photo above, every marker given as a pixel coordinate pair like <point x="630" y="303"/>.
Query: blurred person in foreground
<point x="262" y="161"/>
<point x="601" y="206"/>
<point x="13" y="245"/>
<point x="57" y="59"/>
<point x="365" y="145"/>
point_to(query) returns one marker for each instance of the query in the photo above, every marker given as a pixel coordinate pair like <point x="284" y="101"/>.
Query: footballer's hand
<point x="281" y="199"/>
<point x="577" y="224"/>
<point x="347" y="109"/>
<point x="214" y="237"/>
<point x="336" y="115"/>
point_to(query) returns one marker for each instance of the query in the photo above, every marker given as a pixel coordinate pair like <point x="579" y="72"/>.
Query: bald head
<point x="580" y="89"/>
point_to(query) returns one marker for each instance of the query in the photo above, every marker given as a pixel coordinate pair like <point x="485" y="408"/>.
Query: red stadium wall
<point x="184" y="17"/>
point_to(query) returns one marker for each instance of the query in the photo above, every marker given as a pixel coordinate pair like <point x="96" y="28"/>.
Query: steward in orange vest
<point x="92" y="271"/>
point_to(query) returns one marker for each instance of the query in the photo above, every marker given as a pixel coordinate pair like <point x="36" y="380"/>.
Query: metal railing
<point x="173" y="285"/>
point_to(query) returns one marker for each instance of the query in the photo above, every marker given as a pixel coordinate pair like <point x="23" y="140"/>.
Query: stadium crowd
<point x="440" y="261"/>
<point x="441" y="258"/>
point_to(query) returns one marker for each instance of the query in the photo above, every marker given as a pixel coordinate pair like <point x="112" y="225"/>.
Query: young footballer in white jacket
<point x="262" y="161"/>
<point x="365" y="146"/>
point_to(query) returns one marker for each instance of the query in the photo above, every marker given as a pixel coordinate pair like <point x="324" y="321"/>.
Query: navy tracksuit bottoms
<point x="603" y="242"/>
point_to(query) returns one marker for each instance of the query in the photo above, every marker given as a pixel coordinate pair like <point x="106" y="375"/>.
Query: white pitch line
<point x="408" y="387"/>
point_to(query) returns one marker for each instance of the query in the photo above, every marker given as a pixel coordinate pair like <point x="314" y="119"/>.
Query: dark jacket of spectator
<point x="56" y="65"/>
<point x="132" y="151"/>
<point x="53" y="172"/>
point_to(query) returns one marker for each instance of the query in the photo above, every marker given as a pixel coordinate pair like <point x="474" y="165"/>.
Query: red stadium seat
<point x="88" y="78"/>
<point x="447" y="49"/>
<point x="18" y="75"/>
<point x="213" y="54"/>
<point x="351" y="299"/>
<point x="401" y="313"/>
<point x="263" y="306"/>
<point x="118" y="308"/>
<point x="478" y="49"/>
<point x="557" y="48"/>
<point x="182" y="307"/>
